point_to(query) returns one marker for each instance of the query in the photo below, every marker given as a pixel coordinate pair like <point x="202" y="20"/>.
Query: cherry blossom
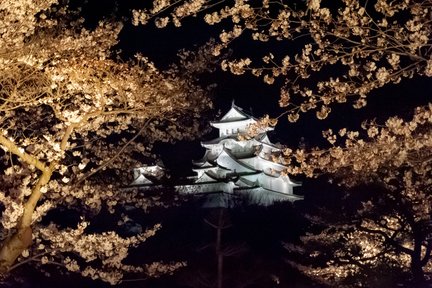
<point x="72" y="116"/>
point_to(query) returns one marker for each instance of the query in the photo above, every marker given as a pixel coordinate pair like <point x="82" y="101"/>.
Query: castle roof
<point x="221" y="139"/>
<point x="235" y="114"/>
<point x="263" y="139"/>
<point x="234" y="168"/>
<point x="227" y="159"/>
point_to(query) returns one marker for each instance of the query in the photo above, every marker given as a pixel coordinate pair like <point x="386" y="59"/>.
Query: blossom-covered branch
<point x="69" y="113"/>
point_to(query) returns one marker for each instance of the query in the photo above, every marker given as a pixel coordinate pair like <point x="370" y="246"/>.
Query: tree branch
<point x="427" y="255"/>
<point x="18" y="151"/>
<point x="89" y="174"/>
<point x="388" y="240"/>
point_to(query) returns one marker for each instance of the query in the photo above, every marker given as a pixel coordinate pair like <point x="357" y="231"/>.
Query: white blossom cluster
<point x="395" y="230"/>
<point x="371" y="44"/>
<point x="108" y="247"/>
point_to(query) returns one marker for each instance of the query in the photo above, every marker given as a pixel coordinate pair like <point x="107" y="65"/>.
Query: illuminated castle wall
<point x="233" y="169"/>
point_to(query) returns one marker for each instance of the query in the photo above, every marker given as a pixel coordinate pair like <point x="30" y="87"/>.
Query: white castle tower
<point x="233" y="169"/>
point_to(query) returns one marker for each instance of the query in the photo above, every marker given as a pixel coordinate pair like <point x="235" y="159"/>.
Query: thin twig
<point x="116" y="155"/>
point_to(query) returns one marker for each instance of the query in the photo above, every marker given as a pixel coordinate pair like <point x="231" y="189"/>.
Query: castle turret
<point x="235" y="121"/>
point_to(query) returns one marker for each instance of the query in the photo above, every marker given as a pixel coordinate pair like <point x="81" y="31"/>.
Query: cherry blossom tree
<point x="322" y="53"/>
<point x="393" y="227"/>
<point x="72" y="116"/>
<point x="350" y="48"/>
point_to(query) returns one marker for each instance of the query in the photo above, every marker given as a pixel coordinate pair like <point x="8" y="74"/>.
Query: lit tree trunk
<point x="14" y="245"/>
<point x="219" y="253"/>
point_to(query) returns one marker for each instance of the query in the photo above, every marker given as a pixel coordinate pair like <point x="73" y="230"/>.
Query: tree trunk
<point x="14" y="245"/>
<point x="219" y="254"/>
<point x="418" y="274"/>
<point x="416" y="265"/>
<point x="12" y="248"/>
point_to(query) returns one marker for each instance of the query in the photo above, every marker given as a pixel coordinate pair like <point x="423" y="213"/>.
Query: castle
<point x="233" y="169"/>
